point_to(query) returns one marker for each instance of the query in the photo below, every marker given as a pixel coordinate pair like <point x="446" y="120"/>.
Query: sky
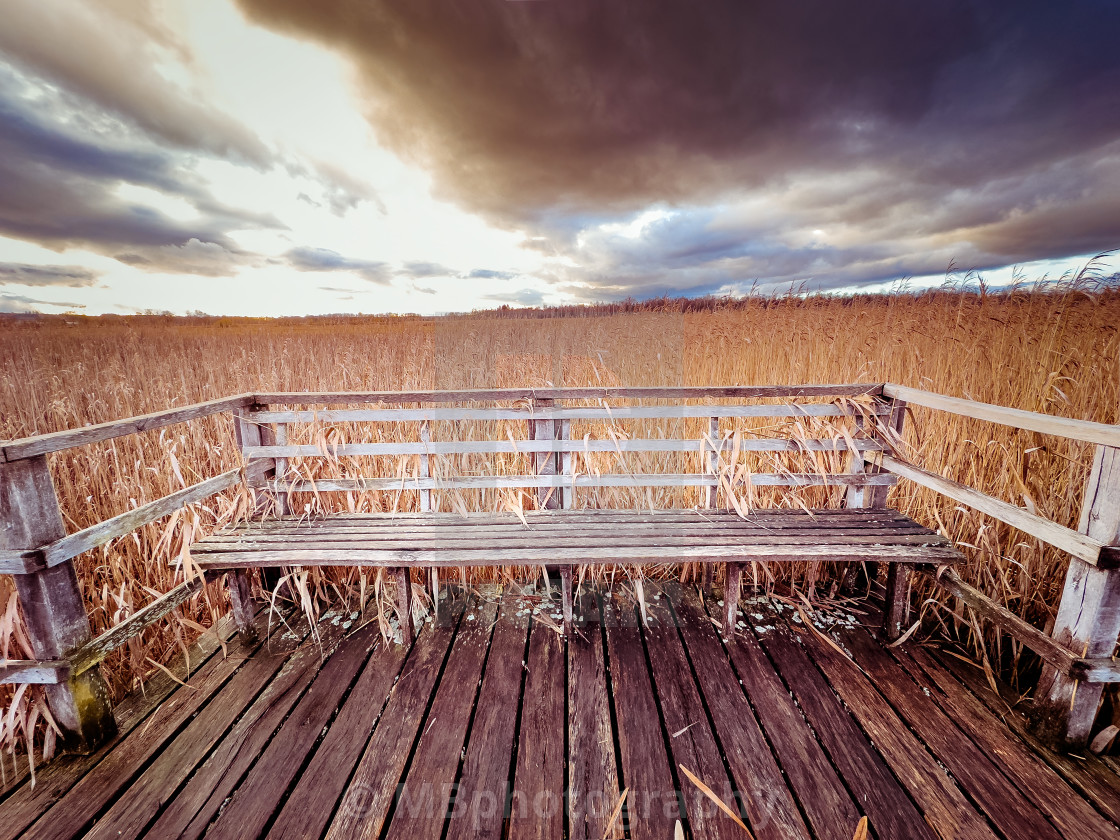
<point x="300" y="157"/>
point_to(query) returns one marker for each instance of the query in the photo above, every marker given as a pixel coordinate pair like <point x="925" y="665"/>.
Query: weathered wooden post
<point x="896" y="614"/>
<point x="1088" y="621"/>
<point x="713" y="446"/>
<point x="53" y="611"/>
<point x="552" y="498"/>
<point x="258" y="472"/>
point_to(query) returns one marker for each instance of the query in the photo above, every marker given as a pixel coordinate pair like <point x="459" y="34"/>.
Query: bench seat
<point x="566" y="538"/>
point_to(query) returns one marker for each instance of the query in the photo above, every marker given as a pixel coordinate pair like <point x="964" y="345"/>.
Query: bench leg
<point x="706" y="579"/>
<point x="897" y="613"/>
<point x="731" y="598"/>
<point x="566" y="596"/>
<point x="241" y="603"/>
<point x="404" y="604"/>
<point x="435" y="592"/>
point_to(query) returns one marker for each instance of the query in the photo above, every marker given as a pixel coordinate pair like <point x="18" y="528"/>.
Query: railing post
<point x="711" y="467"/>
<point x="896" y="615"/>
<point x="53" y="611"/>
<point x="1088" y="620"/>
<point x="250" y="433"/>
<point x="545" y="463"/>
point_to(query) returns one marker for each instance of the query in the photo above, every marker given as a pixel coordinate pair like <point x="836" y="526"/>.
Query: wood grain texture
<point x="117" y="526"/>
<point x="652" y="805"/>
<point x="457" y="447"/>
<point x="483" y="786"/>
<point x="724" y="675"/>
<point x="1088" y="619"/>
<point x="248" y="805"/>
<point x="1070" y="813"/>
<point x="73" y="812"/>
<point x="314" y="797"/>
<point x="1086" y="774"/>
<point x="524" y="415"/>
<point x="29" y="447"/>
<point x="1100" y="433"/>
<point x="95" y="650"/>
<point x="693" y="744"/>
<point x="202" y="765"/>
<point x="54" y="614"/>
<point x="583" y="480"/>
<point x="22" y="802"/>
<point x="1079" y="545"/>
<point x="34" y="671"/>
<point x="874" y="787"/>
<point x="369" y="796"/>
<point x="514" y="394"/>
<point x="537" y="801"/>
<point x="1012" y="813"/>
<point x="426" y="793"/>
<point x="943" y="804"/>
<point x="593" y="786"/>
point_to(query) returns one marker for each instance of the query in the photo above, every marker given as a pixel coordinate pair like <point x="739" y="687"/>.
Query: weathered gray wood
<point x="33" y="671"/>
<point x="29" y="447"/>
<point x="567" y="494"/>
<point x="603" y="414"/>
<point x="492" y="482"/>
<point x="713" y="446"/>
<point x="566" y="597"/>
<point x="53" y="611"/>
<point x="1088" y="619"/>
<point x="403" y="581"/>
<point x="544" y="463"/>
<point x="20" y="562"/>
<point x="513" y="394"/>
<point x="1079" y="545"/>
<point x="731" y="599"/>
<point x="101" y="533"/>
<point x="1046" y="647"/>
<point x="554" y="556"/>
<point x="426" y="447"/>
<point x="241" y="603"/>
<point x="897" y="614"/>
<point x="95" y="650"/>
<point x="425" y="466"/>
<point x="896" y="417"/>
<point x="1099" y="433"/>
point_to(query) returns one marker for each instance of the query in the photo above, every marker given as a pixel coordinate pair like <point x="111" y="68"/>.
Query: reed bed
<point x="1056" y="351"/>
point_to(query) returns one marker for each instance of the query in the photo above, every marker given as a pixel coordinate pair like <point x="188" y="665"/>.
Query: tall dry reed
<point x="1056" y="352"/>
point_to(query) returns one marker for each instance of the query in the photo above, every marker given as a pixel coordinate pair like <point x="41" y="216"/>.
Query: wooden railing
<point x="36" y="550"/>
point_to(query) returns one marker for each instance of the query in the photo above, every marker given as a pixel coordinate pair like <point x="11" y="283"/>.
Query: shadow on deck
<point x="492" y="725"/>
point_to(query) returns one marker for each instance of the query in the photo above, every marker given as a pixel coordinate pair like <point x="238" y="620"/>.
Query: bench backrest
<point x="557" y="441"/>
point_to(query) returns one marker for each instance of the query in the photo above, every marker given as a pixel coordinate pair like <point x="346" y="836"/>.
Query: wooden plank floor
<point x="491" y="725"/>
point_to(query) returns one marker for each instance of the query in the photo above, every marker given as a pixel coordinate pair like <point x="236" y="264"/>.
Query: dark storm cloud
<point x="323" y="259"/>
<point x="47" y="275"/>
<point x="912" y="134"/>
<point x="60" y="176"/>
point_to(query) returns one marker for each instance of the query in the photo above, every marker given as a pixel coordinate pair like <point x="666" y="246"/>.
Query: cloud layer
<point x="906" y="135"/>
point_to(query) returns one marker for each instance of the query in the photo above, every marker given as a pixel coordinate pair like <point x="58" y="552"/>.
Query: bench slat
<point x="400" y="415"/>
<point x="505" y="447"/>
<point x="567" y="556"/>
<point x="491" y="482"/>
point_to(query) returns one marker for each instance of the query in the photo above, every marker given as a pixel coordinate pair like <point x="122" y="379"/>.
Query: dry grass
<point x="1055" y="352"/>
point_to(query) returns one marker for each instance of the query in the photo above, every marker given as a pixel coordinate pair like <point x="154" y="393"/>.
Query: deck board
<point x="481" y="716"/>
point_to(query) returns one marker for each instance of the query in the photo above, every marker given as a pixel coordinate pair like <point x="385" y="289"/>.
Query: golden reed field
<point x="1056" y="352"/>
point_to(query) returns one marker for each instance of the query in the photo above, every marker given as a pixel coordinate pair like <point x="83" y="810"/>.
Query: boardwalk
<point x="492" y="725"/>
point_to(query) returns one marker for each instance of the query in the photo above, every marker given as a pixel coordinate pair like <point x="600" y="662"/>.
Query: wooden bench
<point x="564" y="539"/>
<point x="424" y="442"/>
